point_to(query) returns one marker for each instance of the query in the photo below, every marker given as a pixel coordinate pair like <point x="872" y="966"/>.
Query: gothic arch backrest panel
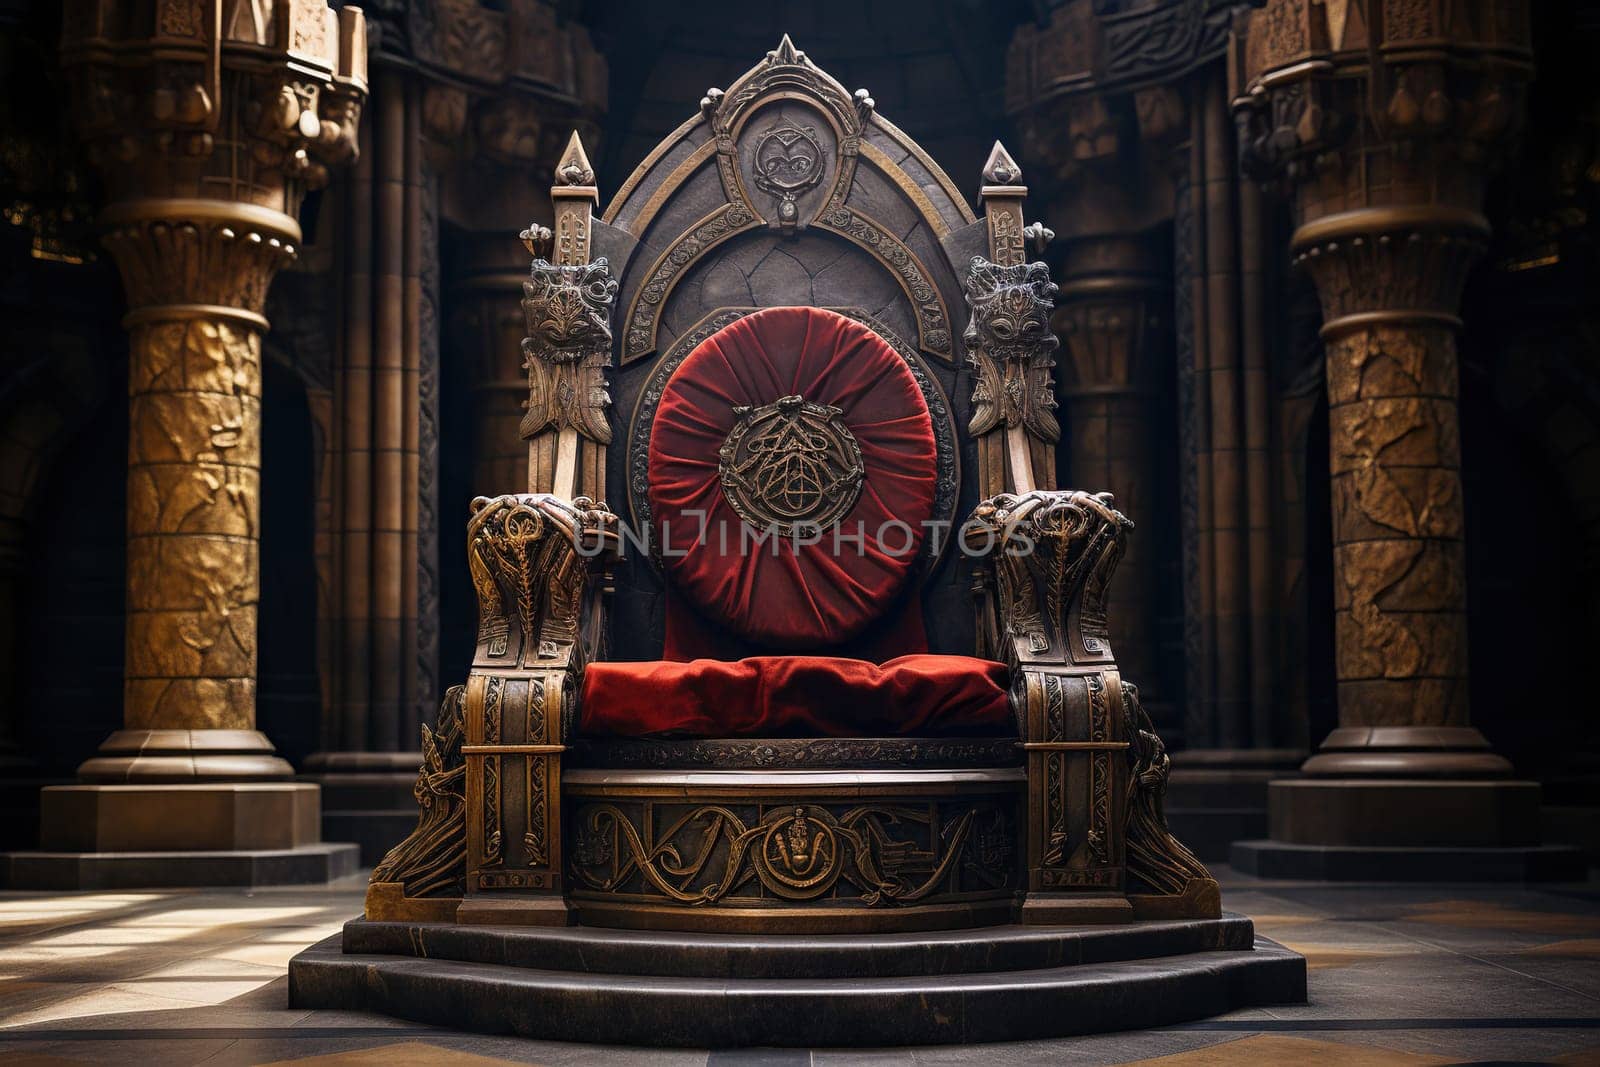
<point x="787" y="189"/>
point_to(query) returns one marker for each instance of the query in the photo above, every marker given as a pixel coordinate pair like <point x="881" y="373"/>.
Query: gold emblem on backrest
<point x="790" y="463"/>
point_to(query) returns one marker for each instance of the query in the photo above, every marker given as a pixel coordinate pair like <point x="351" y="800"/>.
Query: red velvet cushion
<point x="789" y="696"/>
<point x="787" y="595"/>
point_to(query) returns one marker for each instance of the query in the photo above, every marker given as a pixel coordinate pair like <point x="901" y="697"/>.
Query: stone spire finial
<point x="786" y="53"/>
<point x="1001" y="169"/>
<point x="574" y="167"/>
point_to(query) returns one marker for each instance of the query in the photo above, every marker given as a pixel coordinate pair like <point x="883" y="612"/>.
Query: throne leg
<point x="513" y="800"/>
<point x="1077" y="768"/>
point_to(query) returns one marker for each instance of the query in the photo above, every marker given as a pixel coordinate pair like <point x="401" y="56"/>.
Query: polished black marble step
<point x="811" y="1013"/>
<point x="593" y="950"/>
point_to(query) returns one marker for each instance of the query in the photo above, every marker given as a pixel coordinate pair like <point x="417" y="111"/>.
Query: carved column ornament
<point x="1384" y="146"/>
<point x="208" y="122"/>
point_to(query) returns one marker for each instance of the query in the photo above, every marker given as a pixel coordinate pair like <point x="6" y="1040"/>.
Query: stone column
<point x="487" y="327"/>
<point x="1108" y="192"/>
<point x="383" y="675"/>
<point x="466" y="121"/>
<point x="1110" y="317"/>
<point x="207" y="134"/>
<point x="1385" y="149"/>
<point x="1139" y="137"/>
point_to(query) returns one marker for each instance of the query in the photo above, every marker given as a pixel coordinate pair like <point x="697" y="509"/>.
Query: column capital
<point x="503" y="88"/>
<point x="1390" y="265"/>
<point x="1112" y="296"/>
<point x="1099" y="97"/>
<point x="1394" y="102"/>
<point x="229" y="103"/>
<point x="1084" y="145"/>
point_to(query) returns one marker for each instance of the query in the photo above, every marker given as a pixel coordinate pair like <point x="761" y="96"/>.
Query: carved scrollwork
<point x="644" y="314"/>
<point x="530" y="558"/>
<point x="1156" y="860"/>
<point x="872" y="855"/>
<point x="431" y="862"/>
<point x="933" y="324"/>
<point x="1052" y="554"/>
<point x="1049" y="556"/>
<point x="1011" y="347"/>
<point x="568" y="314"/>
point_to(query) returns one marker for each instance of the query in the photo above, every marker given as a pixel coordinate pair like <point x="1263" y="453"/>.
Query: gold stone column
<point x="1382" y="122"/>
<point x="208" y="123"/>
<point x="195" y="272"/>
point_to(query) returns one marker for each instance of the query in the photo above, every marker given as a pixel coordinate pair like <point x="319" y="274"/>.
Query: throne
<point x="793" y="632"/>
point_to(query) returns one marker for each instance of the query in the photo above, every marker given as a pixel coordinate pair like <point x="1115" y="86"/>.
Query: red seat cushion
<point x="789" y="594"/>
<point x="790" y="696"/>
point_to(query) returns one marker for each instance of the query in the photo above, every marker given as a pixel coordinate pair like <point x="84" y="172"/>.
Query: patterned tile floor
<point x="1399" y="975"/>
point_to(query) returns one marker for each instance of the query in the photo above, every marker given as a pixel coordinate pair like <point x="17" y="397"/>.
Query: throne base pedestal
<point x="726" y="990"/>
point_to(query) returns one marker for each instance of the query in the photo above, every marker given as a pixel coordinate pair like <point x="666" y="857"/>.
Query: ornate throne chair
<point x="696" y="714"/>
<point x="834" y="658"/>
<point x="837" y="658"/>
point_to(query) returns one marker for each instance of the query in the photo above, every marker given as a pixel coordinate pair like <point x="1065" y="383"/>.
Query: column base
<point x="1406" y="752"/>
<point x="246" y="868"/>
<point x="161" y="835"/>
<point x="185" y="756"/>
<point x="1218" y="796"/>
<point x="366" y="798"/>
<point x="1404" y="812"/>
<point x="1354" y="863"/>
<point x="1406" y="830"/>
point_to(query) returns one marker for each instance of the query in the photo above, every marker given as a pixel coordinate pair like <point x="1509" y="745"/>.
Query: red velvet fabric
<point x="797" y="696"/>
<point x="691" y="635"/>
<point x="786" y="595"/>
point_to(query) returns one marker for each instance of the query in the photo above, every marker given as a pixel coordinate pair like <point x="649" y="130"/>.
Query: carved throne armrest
<point x="1098" y="845"/>
<point x="539" y="564"/>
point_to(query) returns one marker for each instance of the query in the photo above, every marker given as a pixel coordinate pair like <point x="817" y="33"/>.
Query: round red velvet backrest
<point x="788" y="594"/>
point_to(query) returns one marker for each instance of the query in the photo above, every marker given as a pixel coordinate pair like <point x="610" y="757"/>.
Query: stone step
<point x="847" y="1011"/>
<point x="593" y="950"/>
